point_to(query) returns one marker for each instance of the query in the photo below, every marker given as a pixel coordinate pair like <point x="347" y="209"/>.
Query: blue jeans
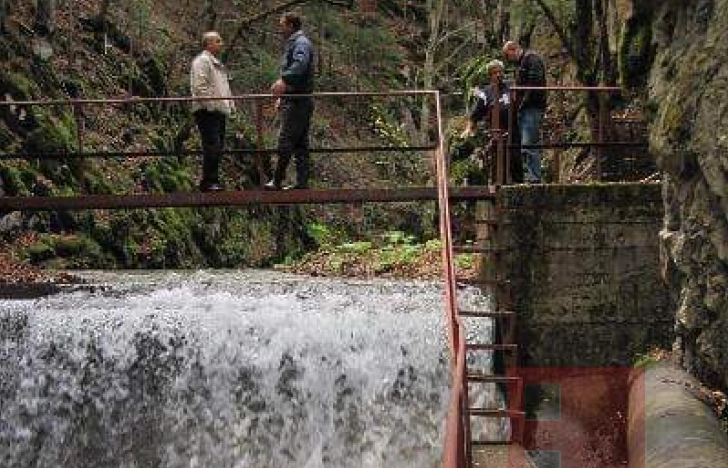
<point x="529" y="121"/>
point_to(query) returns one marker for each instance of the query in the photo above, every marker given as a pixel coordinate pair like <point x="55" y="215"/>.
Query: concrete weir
<point x="583" y="261"/>
<point x="670" y="426"/>
<point x="584" y="267"/>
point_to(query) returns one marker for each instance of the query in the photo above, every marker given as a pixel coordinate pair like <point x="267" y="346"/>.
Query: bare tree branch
<point x="563" y="36"/>
<point x="246" y="22"/>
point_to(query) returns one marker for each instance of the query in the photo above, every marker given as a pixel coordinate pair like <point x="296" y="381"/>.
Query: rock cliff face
<point x="689" y="92"/>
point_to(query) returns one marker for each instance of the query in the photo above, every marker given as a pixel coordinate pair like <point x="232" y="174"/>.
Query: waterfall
<point x="227" y="369"/>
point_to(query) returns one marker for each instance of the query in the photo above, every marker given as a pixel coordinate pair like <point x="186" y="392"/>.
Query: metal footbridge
<point x="460" y="448"/>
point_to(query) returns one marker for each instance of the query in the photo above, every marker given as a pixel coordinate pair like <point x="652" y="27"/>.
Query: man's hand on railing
<point x="279" y="87"/>
<point x="469" y="131"/>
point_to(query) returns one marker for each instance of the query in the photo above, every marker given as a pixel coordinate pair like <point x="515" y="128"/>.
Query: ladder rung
<point x="482" y="281"/>
<point x="491" y="347"/>
<point x="487" y="314"/>
<point x="484" y="443"/>
<point x="495" y="413"/>
<point x="490" y="378"/>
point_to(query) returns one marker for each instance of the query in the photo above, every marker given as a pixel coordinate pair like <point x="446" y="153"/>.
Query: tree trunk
<point x="435" y="13"/>
<point x="504" y="20"/>
<point x="103" y="14"/>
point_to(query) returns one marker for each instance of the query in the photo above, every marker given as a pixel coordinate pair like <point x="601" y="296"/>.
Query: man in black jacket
<point x="296" y="77"/>
<point x="530" y="105"/>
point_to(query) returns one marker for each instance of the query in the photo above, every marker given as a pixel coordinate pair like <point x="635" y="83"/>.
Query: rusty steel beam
<point x="239" y="198"/>
<point x="566" y="88"/>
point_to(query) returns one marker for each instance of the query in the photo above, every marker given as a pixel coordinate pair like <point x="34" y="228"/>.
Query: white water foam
<point x="233" y="369"/>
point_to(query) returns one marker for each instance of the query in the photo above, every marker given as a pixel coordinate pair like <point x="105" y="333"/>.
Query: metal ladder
<point x="503" y="376"/>
<point x="458" y="451"/>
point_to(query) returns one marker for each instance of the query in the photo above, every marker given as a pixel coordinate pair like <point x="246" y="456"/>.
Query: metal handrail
<point x="454" y="453"/>
<point x="127" y="101"/>
<point x="454" y="449"/>
<point x="504" y="149"/>
<point x="238" y="97"/>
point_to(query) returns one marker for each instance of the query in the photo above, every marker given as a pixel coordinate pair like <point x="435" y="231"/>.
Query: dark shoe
<point x="272" y="185"/>
<point x="295" y="187"/>
<point x="211" y="188"/>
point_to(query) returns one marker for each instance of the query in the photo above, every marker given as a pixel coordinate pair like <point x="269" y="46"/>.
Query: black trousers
<point x="212" y="133"/>
<point x="293" y="139"/>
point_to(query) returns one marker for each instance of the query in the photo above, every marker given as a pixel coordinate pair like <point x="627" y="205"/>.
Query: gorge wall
<point x="689" y="134"/>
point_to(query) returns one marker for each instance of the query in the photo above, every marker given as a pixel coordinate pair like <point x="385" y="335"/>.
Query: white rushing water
<point x="228" y="369"/>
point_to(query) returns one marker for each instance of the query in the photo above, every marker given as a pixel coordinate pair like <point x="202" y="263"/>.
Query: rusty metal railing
<point x="116" y="149"/>
<point x="456" y="444"/>
<point x="505" y="149"/>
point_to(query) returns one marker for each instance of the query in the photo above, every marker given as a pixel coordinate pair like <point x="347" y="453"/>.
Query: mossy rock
<point x="69" y="246"/>
<point x="39" y="252"/>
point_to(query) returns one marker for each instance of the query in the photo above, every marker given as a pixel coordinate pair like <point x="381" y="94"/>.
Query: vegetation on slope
<point x="143" y="48"/>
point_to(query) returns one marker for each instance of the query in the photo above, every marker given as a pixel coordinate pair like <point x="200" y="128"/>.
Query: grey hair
<point x="494" y="64"/>
<point x="208" y="37"/>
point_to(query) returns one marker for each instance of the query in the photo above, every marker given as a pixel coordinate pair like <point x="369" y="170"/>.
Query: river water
<point x="225" y="369"/>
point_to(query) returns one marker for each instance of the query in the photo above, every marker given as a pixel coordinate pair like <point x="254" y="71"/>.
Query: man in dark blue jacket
<point x="296" y="78"/>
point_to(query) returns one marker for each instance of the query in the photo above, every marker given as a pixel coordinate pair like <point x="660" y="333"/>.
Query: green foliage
<point x="387" y="125"/>
<point x="38" y="252"/>
<point x="636" y="50"/>
<point x="465" y="261"/>
<point x="6" y="137"/>
<point x="167" y="177"/>
<point x="393" y="238"/>
<point x="17" y="85"/>
<point x="355" y="53"/>
<point x="433" y="245"/>
<point x="360" y="247"/>
<point x="466" y="172"/>
<point x="473" y="72"/>
<point x="53" y="135"/>
<point x="396" y="254"/>
<point x="13" y="181"/>
<point x="322" y="234"/>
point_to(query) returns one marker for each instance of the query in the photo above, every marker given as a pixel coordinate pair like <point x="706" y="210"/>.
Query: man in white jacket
<point x="209" y="79"/>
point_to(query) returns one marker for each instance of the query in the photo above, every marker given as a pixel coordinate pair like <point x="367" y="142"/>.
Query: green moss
<point x="67" y="246"/>
<point x="53" y="135"/>
<point x="153" y="69"/>
<point x="17" y="85"/>
<point x="13" y="181"/>
<point x="39" y="252"/>
<point x="6" y="137"/>
<point x="97" y="183"/>
<point x="636" y="51"/>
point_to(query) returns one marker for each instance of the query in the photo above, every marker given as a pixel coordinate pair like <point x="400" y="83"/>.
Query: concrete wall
<point x="584" y="266"/>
